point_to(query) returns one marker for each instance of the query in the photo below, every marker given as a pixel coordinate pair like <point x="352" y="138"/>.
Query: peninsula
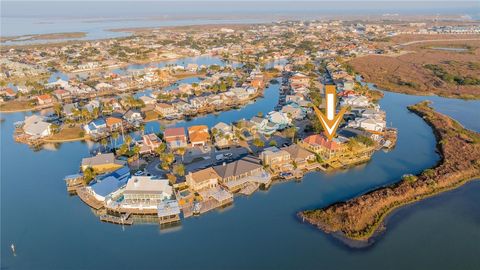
<point x="359" y="219"/>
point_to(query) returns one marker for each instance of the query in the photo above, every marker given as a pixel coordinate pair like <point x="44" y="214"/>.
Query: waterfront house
<point x="372" y="125"/>
<point x="293" y="111"/>
<point x="355" y="101"/>
<point x="223" y="134"/>
<point x="299" y="156"/>
<point x="61" y="94"/>
<point x="198" y="135"/>
<point x="45" y="99"/>
<point x="165" y="109"/>
<point x="133" y="116"/>
<point x="36" y="127"/>
<point x="236" y="175"/>
<point x="299" y="78"/>
<point x="102" y="163"/>
<point x="148" y="100"/>
<point x="146" y="191"/>
<point x="279" y="118"/>
<point x="203" y="179"/>
<point x="113" y="123"/>
<point x="149" y="143"/>
<point x="168" y="211"/>
<point x="96" y="127"/>
<point x="319" y="144"/>
<point x="109" y="185"/>
<point x="259" y="122"/>
<point x="175" y="137"/>
<point x="276" y="159"/>
<point x="240" y="93"/>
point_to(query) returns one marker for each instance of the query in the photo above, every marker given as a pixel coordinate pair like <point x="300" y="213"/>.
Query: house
<point x="368" y="124"/>
<point x="97" y="126"/>
<point x="279" y="118"/>
<point x="149" y="143"/>
<point x="240" y="93"/>
<point x="223" y="134"/>
<point x="259" y="122"/>
<point x="203" y="179"/>
<point x="61" y="94"/>
<point x="68" y="109"/>
<point x="109" y="185"/>
<point x="147" y="100"/>
<point x="102" y="163"/>
<point x="348" y="85"/>
<point x="236" y="175"/>
<point x="113" y="123"/>
<point x="293" y="111"/>
<point x="299" y="156"/>
<point x="299" y="78"/>
<point x="45" y="99"/>
<point x="198" y="135"/>
<point x="36" y="127"/>
<point x="92" y="104"/>
<point x="175" y="137"/>
<point x="168" y="211"/>
<point x="257" y="82"/>
<point x="146" y="191"/>
<point x="319" y="144"/>
<point x="355" y="101"/>
<point x="133" y="117"/>
<point x="165" y="109"/>
<point x="276" y="159"/>
<point x="9" y="93"/>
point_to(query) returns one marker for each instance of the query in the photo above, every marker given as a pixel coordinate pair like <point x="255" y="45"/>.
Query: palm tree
<point x="290" y="133"/>
<point x="181" y="152"/>
<point x="128" y="141"/>
<point x="115" y="136"/>
<point x="104" y="142"/>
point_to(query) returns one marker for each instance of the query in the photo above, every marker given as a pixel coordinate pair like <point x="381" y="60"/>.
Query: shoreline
<point x="360" y="237"/>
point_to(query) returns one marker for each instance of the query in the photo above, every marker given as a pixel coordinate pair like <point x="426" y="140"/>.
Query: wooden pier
<point x="89" y="199"/>
<point x="124" y="219"/>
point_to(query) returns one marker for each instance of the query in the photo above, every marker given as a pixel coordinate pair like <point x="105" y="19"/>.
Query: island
<point x="360" y="219"/>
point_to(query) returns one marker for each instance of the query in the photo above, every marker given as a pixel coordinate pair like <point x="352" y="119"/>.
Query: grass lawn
<point x="67" y="133"/>
<point x="151" y="115"/>
<point x="15" y="105"/>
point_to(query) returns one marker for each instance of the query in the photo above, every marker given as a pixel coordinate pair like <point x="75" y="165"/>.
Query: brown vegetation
<point x="409" y="72"/>
<point x="359" y="218"/>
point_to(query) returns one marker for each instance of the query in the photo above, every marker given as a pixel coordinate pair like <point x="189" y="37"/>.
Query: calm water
<point x="97" y="18"/>
<point x="54" y="231"/>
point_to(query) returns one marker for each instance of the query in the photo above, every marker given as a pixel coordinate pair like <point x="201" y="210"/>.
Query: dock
<point x="89" y="199"/>
<point x="124" y="219"/>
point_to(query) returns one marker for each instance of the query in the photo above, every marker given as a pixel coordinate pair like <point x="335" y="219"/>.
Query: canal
<point x="53" y="230"/>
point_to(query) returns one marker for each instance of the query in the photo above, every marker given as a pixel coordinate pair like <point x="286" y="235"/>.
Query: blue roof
<point x="120" y="174"/>
<point x="99" y="122"/>
<point x="106" y="186"/>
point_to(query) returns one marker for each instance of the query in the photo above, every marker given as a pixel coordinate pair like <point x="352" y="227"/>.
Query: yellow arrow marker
<point x="331" y="121"/>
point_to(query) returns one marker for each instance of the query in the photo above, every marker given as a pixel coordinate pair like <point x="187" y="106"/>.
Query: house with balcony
<point x="278" y="160"/>
<point x="198" y="135"/>
<point x="175" y="137"/>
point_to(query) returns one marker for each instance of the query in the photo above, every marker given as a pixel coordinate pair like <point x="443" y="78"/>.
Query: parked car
<point x="139" y="173"/>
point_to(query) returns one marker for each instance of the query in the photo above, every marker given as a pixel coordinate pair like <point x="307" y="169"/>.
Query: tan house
<point x="241" y="173"/>
<point x="326" y="149"/>
<point x="203" y="179"/>
<point x="198" y="135"/>
<point x="102" y="163"/>
<point x="165" y="109"/>
<point x="276" y="159"/>
<point x="299" y="156"/>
